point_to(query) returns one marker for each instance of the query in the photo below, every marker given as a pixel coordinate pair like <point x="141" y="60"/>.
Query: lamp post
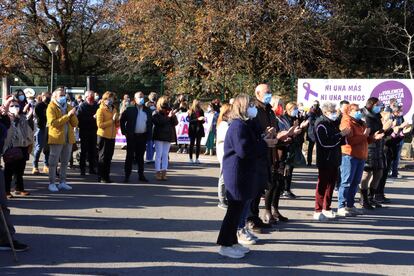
<point x="53" y="46"/>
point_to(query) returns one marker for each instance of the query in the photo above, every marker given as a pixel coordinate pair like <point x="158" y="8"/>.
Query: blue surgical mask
<point x="252" y="112"/>
<point x="376" y="109"/>
<point x="294" y="113"/>
<point x="358" y="115"/>
<point x="62" y="101"/>
<point x="21" y="98"/>
<point x="109" y="102"/>
<point x="267" y="98"/>
<point x="140" y="101"/>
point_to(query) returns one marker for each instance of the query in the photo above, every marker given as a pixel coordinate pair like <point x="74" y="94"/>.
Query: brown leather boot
<point x="164" y="175"/>
<point x="158" y="176"/>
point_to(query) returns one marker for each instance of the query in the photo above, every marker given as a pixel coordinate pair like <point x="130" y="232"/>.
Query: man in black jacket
<point x="87" y="132"/>
<point x="136" y="125"/>
<point x="41" y="133"/>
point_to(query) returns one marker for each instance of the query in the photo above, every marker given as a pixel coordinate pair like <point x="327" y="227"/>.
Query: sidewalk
<point x="170" y="228"/>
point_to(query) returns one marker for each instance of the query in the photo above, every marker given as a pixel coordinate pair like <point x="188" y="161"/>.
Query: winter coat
<point x="129" y="120"/>
<point x="196" y="127"/>
<point x="57" y="121"/>
<point x="164" y="126"/>
<point x="242" y="148"/>
<point x="356" y="144"/>
<point x="376" y="157"/>
<point x="107" y="127"/>
<point x="87" y="121"/>
<point x="328" y="140"/>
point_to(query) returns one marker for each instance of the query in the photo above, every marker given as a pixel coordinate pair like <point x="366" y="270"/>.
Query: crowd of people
<point x="258" y="141"/>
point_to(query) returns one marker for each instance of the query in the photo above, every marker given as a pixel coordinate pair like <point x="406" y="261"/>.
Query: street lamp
<point x="53" y="46"/>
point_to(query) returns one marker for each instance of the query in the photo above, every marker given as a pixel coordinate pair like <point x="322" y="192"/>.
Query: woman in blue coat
<point x="242" y="146"/>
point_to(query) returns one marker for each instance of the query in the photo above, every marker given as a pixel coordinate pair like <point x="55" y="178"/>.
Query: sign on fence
<point x="357" y="91"/>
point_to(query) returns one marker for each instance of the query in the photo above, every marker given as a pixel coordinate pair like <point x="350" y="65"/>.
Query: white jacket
<point x="221" y="135"/>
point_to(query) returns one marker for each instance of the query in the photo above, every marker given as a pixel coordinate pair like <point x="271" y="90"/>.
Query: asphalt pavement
<point x="170" y="228"/>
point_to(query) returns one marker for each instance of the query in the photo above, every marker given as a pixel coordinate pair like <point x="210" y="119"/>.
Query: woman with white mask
<point x="15" y="150"/>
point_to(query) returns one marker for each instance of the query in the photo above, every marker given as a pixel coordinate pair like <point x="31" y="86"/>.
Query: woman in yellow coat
<point x="107" y="119"/>
<point x="61" y="119"/>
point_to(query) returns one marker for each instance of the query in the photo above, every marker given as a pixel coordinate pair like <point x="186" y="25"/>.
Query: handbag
<point x="12" y="155"/>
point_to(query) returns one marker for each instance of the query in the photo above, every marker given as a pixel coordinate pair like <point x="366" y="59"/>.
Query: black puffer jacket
<point x="376" y="158"/>
<point x="328" y="140"/>
<point x="164" y="126"/>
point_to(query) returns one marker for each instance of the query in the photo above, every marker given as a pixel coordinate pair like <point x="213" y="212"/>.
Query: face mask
<point x="62" y="101"/>
<point x="376" y="109"/>
<point x="96" y="98"/>
<point x="109" y="102"/>
<point x="14" y="110"/>
<point x="209" y="109"/>
<point x="47" y="100"/>
<point x="267" y="98"/>
<point x="294" y="113"/>
<point x="333" y="116"/>
<point x="357" y="115"/>
<point x="153" y="107"/>
<point x="252" y="112"/>
<point x="140" y="101"/>
<point x="21" y="98"/>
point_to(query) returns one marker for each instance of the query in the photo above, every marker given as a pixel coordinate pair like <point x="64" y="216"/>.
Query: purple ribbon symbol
<point x="306" y="85"/>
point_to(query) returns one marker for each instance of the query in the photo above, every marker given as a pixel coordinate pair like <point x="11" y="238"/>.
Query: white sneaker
<point x="197" y="161"/>
<point x="241" y="248"/>
<point x="191" y="161"/>
<point x="319" y="216"/>
<point x="244" y="238"/>
<point x="342" y="212"/>
<point x="231" y="252"/>
<point x="354" y="211"/>
<point x="64" y="186"/>
<point x="329" y="214"/>
<point x="250" y="234"/>
<point x="53" y="188"/>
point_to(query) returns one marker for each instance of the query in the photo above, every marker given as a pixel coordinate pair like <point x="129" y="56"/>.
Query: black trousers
<point x="106" y="151"/>
<point x="15" y="169"/>
<point x="310" y="152"/>
<point x="288" y="179"/>
<point x="88" y="150"/>
<point x="197" y="142"/>
<point x="272" y="195"/>
<point x="136" y="145"/>
<point x="386" y="171"/>
<point x="228" y="230"/>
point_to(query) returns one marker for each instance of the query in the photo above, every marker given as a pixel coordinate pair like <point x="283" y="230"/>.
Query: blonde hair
<point x="239" y="107"/>
<point x="195" y="106"/>
<point x="161" y="101"/>
<point x="224" y="113"/>
<point x="290" y="106"/>
<point x="107" y="95"/>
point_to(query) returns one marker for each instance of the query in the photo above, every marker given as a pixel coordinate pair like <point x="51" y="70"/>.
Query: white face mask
<point x="252" y="112"/>
<point x="14" y="110"/>
<point x="333" y="116"/>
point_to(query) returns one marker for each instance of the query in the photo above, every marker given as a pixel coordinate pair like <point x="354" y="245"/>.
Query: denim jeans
<point x="150" y="150"/>
<point x="396" y="160"/>
<point x="351" y="173"/>
<point x="40" y="141"/>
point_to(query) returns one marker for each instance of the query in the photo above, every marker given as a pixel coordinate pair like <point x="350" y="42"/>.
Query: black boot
<point x="364" y="201"/>
<point x="372" y="200"/>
